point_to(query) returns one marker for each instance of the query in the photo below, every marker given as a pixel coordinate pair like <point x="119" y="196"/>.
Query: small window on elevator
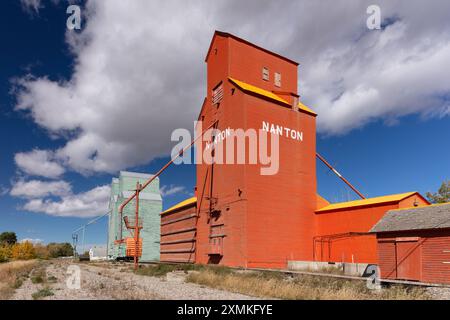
<point x="265" y="73"/>
<point x="277" y="79"/>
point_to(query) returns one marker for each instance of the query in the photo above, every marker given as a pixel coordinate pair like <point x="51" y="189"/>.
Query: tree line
<point x="11" y="249"/>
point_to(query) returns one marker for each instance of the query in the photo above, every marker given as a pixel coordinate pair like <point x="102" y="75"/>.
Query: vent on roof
<point x="217" y="94"/>
<point x="277" y="79"/>
<point x="265" y="73"/>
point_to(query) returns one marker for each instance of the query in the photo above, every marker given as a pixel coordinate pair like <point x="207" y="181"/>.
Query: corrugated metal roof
<point x="181" y="204"/>
<point x="265" y="93"/>
<point x="420" y="218"/>
<point x="365" y="202"/>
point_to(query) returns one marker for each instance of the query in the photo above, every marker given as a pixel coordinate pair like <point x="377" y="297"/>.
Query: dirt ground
<point x="105" y="282"/>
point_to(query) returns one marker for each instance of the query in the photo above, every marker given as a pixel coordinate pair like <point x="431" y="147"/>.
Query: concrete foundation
<point x="351" y="269"/>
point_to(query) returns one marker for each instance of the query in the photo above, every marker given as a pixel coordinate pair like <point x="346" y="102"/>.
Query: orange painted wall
<point x="281" y="219"/>
<point x="360" y="248"/>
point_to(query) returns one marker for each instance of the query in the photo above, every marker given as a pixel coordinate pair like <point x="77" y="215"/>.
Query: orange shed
<point x="342" y="233"/>
<point x="414" y="244"/>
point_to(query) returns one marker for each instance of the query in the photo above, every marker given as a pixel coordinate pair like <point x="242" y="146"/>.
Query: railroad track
<point x="318" y="274"/>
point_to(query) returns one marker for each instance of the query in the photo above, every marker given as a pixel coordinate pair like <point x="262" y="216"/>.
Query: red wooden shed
<point x="414" y="244"/>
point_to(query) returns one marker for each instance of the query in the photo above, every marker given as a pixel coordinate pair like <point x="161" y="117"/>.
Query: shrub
<point x="5" y="253"/>
<point x="56" y="250"/>
<point x="23" y="251"/>
<point x="46" y="292"/>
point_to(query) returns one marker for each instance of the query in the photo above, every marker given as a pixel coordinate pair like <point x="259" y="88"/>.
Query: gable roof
<point x="229" y="35"/>
<point x="365" y="202"/>
<point x="429" y="217"/>
<point x="185" y="203"/>
<point x="248" y="88"/>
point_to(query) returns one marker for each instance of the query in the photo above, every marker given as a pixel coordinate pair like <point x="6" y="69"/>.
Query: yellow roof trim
<point x="365" y="202"/>
<point x="181" y="204"/>
<point x="259" y="91"/>
<point x="265" y="93"/>
<point x="301" y="106"/>
<point x="421" y="206"/>
<point x="322" y="198"/>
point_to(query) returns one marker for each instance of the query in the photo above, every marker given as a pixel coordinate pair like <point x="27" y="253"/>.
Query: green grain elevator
<point x="150" y="206"/>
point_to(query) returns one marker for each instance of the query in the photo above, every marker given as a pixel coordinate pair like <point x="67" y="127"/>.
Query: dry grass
<point x="12" y="275"/>
<point x="161" y="270"/>
<point x="275" y="285"/>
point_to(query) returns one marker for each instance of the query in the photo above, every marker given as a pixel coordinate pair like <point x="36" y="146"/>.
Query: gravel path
<point x="439" y="293"/>
<point x="117" y="282"/>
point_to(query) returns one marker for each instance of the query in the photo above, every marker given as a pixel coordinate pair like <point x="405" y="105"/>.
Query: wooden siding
<point x="178" y="235"/>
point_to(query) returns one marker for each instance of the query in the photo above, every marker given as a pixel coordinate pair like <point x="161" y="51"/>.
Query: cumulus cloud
<point x="139" y="70"/>
<point x="39" y="189"/>
<point x="87" y="204"/>
<point x="39" y="163"/>
<point x="33" y="241"/>
<point x="171" y="190"/>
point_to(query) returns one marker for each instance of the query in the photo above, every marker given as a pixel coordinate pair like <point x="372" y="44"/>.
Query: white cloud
<point x="39" y="163"/>
<point x="139" y="70"/>
<point x="87" y="204"/>
<point x="31" y="6"/>
<point x="39" y="189"/>
<point x="33" y="241"/>
<point x="171" y="190"/>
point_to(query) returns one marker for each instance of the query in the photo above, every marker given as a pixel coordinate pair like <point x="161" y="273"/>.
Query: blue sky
<point x="402" y="144"/>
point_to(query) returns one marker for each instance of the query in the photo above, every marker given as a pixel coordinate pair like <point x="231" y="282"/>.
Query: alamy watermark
<point x="73" y="280"/>
<point x="373" y="22"/>
<point x="235" y="145"/>
<point x="373" y="281"/>
<point x="74" y="20"/>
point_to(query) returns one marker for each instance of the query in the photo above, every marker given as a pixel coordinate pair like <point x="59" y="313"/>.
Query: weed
<point x="161" y="270"/>
<point x="37" y="279"/>
<point x="45" y="292"/>
<point x="18" y="283"/>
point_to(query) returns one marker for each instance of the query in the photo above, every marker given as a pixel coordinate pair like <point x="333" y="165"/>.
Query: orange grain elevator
<point x="246" y="218"/>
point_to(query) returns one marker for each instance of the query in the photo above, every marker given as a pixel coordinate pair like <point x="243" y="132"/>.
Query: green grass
<point x="45" y="292"/>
